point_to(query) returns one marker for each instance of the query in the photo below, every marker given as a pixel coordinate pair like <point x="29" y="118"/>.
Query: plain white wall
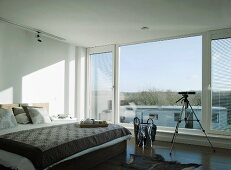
<point x="21" y="55"/>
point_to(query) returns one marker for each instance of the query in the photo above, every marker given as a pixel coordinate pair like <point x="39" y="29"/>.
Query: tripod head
<point x="185" y="97"/>
<point x="187" y="92"/>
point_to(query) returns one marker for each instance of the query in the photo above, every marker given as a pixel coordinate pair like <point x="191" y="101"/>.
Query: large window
<point x="152" y="74"/>
<point x="221" y="84"/>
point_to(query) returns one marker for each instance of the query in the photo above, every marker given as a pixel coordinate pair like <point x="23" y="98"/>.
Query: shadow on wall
<point x="34" y="72"/>
<point x="46" y="85"/>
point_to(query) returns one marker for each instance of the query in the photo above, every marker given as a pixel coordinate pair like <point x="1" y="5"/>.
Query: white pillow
<point x="39" y="115"/>
<point x="22" y="118"/>
<point x="7" y="119"/>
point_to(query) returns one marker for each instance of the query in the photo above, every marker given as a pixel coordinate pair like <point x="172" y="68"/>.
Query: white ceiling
<point x="100" y="22"/>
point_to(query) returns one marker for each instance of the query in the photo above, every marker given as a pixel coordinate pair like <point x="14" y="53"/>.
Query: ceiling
<point x="92" y="23"/>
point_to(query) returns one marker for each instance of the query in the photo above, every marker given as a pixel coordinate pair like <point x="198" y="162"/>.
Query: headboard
<point x="10" y="106"/>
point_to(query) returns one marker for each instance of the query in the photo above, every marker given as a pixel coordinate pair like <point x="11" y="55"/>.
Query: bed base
<point x="89" y="160"/>
<point x="92" y="159"/>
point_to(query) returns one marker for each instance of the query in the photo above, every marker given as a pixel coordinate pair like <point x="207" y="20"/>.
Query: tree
<point x="161" y="98"/>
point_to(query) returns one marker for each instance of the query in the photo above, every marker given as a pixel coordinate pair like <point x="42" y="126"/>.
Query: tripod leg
<point x="202" y="128"/>
<point x="176" y="130"/>
<point x="174" y="136"/>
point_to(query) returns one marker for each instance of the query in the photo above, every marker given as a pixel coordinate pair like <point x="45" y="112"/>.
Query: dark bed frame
<point x="86" y="161"/>
<point x="89" y="160"/>
<point x="92" y="159"/>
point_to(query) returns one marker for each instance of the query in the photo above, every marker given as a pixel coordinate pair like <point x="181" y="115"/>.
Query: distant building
<point x="169" y="115"/>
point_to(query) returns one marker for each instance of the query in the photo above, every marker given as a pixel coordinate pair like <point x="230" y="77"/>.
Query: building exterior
<point x="170" y="115"/>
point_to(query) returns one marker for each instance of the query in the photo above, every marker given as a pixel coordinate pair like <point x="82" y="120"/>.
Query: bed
<point x="59" y="145"/>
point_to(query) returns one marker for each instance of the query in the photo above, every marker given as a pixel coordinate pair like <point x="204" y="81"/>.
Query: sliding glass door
<point x="100" y="82"/>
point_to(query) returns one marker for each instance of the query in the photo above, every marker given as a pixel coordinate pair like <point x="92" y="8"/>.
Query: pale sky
<point x="164" y="65"/>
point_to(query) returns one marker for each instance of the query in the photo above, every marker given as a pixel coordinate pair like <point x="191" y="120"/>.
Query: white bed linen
<point x="15" y="161"/>
<point x="21" y="127"/>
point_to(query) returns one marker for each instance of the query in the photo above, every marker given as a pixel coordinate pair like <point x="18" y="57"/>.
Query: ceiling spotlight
<point x="144" y="28"/>
<point x="38" y="36"/>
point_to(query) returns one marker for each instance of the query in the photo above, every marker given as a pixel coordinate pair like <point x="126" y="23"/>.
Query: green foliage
<point x="228" y="128"/>
<point x="161" y="98"/>
<point x="153" y="97"/>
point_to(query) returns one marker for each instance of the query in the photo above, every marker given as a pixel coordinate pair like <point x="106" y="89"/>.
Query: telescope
<point x="187" y="92"/>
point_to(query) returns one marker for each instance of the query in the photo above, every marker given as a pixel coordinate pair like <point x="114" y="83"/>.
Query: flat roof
<point x="168" y="107"/>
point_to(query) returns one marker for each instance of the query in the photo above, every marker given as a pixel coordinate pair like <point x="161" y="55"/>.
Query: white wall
<point x="27" y="64"/>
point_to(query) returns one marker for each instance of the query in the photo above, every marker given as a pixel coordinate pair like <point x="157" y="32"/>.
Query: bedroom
<point x="30" y="70"/>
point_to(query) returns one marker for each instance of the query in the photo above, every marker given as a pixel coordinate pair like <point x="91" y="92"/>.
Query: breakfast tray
<point x="92" y="125"/>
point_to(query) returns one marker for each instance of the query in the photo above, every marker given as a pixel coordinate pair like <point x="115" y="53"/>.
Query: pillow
<point x="7" y="119"/>
<point x="22" y="118"/>
<point x="25" y="108"/>
<point x="18" y="110"/>
<point x="39" y="115"/>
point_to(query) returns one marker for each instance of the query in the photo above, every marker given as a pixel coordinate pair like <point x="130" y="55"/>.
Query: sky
<point x="164" y="65"/>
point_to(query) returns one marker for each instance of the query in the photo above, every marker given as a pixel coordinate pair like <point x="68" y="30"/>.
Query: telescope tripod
<point x="188" y="120"/>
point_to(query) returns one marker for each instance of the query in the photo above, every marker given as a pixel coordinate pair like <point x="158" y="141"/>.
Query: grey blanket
<point x="45" y="146"/>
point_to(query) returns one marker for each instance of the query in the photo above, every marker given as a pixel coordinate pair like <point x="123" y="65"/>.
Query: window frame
<point x="215" y="117"/>
<point x="91" y="51"/>
<point x="162" y="128"/>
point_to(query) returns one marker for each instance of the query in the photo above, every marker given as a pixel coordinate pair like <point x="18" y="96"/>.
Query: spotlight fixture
<point x="31" y="29"/>
<point x="38" y="36"/>
<point x="144" y="28"/>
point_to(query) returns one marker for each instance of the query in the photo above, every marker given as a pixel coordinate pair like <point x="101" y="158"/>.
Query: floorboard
<point x="220" y="160"/>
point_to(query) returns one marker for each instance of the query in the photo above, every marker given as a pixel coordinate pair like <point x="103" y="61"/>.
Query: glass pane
<point x="221" y="85"/>
<point x="152" y="74"/>
<point x="101" y="86"/>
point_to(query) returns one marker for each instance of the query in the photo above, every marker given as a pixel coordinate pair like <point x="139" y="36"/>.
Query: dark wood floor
<point x="220" y="160"/>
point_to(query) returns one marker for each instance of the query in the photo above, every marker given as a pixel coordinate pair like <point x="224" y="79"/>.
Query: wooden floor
<point x="220" y="160"/>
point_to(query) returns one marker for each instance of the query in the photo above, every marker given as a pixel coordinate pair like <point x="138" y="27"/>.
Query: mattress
<point x="16" y="161"/>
